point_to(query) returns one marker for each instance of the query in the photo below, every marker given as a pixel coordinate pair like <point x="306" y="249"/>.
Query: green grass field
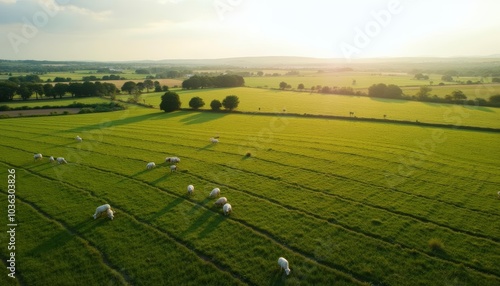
<point x="251" y="99"/>
<point x="347" y="203"/>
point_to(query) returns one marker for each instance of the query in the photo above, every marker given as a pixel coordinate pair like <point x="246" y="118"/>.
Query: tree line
<point x="9" y="89"/>
<point x="226" y="80"/>
<point x="170" y="101"/>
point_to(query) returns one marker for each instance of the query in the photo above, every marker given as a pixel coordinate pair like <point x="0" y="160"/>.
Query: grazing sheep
<point x="190" y="189"/>
<point x="150" y="165"/>
<point x="284" y="264"/>
<point x="214" y="193"/>
<point x="227" y="209"/>
<point x="37" y="156"/>
<point x="172" y="159"/>
<point x="220" y="202"/>
<point x="173" y="168"/>
<point x="499" y="195"/>
<point x="51" y="159"/>
<point x="111" y="213"/>
<point x="104" y="208"/>
<point x="213" y="140"/>
<point x="78" y="138"/>
<point x="61" y="160"/>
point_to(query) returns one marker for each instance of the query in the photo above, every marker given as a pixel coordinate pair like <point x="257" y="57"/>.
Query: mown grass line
<point x="355" y="229"/>
<point x="166" y="232"/>
<point x="307" y="255"/>
<point x="398" y="212"/>
<point x="121" y="276"/>
<point x="320" y="218"/>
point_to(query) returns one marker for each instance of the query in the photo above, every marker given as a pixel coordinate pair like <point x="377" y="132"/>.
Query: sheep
<point x="498" y="194"/>
<point x="173" y="168"/>
<point x="110" y="213"/>
<point x="61" y="160"/>
<point x="37" y="156"/>
<point x="190" y="189"/>
<point x="78" y="138"/>
<point x="284" y="264"/>
<point x="51" y="159"/>
<point x="150" y="165"/>
<point x="220" y="202"/>
<point x="104" y="208"/>
<point x="214" y="193"/>
<point x="172" y="159"/>
<point x="214" y="140"/>
<point x="227" y="209"/>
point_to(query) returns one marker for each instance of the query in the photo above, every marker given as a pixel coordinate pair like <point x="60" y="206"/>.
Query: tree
<point x="215" y="105"/>
<point x="24" y="91"/>
<point x="458" y="95"/>
<point x="495" y="79"/>
<point x="157" y="86"/>
<point x="148" y="84"/>
<point x="170" y="102"/>
<point x="36" y="88"/>
<point x="59" y="90"/>
<point x="7" y="90"/>
<point x="421" y="76"/>
<point x="377" y="90"/>
<point x="495" y="99"/>
<point x="393" y="91"/>
<point x="300" y="86"/>
<point x="196" y="102"/>
<point x="260" y="73"/>
<point x="48" y="89"/>
<point x="447" y="77"/>
<point x="283" y="85"/>
<point x="423" y="93"/>
<point x="129" y="86"/>
<point x="231" y="102"/>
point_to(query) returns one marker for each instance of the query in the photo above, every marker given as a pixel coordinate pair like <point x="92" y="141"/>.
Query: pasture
<point x="265" y="100"/>
<point x="347" y="203"/>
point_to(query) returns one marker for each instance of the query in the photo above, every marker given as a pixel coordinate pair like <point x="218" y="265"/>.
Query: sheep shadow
<point x="278" y="276"/>
<point x="208" y="146"/>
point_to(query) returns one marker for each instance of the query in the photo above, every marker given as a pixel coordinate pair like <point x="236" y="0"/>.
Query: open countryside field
<point x="347" y="203"/>
<point x="340" y="79"/>
<point x="251" y="99"/>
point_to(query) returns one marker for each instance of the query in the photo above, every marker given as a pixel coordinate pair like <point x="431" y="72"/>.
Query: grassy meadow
<point x="251" y="99"/>
<point x="347" y="203"/>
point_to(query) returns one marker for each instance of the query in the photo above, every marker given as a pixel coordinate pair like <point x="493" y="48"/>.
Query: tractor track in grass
<point x="418" y="218"/>
<point x="144" y="223"/>
<point x="351" y="154"/>
<point x="276" y="240"/>
<point x="125" y="279"/>
<point x="457" y="205"/>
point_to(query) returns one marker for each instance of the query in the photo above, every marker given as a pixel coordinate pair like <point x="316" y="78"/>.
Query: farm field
<point x="340" y="79"/>
<point x="484" y="91"/>
<point x="347" y="203"/>
<point x="251" y="99"/>
<point x="54" y="102"/>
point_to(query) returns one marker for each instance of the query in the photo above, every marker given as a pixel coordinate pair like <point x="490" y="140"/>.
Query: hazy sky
<point x="112" y="30"/>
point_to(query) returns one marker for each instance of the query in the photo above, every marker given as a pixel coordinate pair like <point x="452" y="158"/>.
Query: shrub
<point x="196" y="102"/>
<point x="4" y="107"/>
<point x="215" y="105"/>
<point x="170" y="102"/>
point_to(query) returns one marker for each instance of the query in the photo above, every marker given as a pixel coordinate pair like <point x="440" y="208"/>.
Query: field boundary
<point x="355" y="119"/>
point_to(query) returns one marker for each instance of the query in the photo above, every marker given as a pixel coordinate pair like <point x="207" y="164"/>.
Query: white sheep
<point x="284" y="264"/>
<point x="172" y="159"/>
<point x="51" y="159"/>
<point x="498" y="194"/>
<point x="37" y="156"/>
<point x="104" y="208"/>
<point x="61" y="160"/>
<point x="78" y="138"/>
<point x="190" y="189"/>
<point x="214" y="140"/>
<point x="221" y="201"/>
<point x="110" y="213"/>
<point x="227" y="209"/>
<point x="214" y="193"/>
<point x="173" y="168"/>
<point x="150" y="165"/>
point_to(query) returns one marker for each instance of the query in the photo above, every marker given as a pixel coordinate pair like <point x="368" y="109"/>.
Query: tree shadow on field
<point x="202" y="117"/>
<point x="57" y="241"/>
<point x="124" y="121"/>
<point x="166" y="209"/>
<point x="389" y="100"/>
